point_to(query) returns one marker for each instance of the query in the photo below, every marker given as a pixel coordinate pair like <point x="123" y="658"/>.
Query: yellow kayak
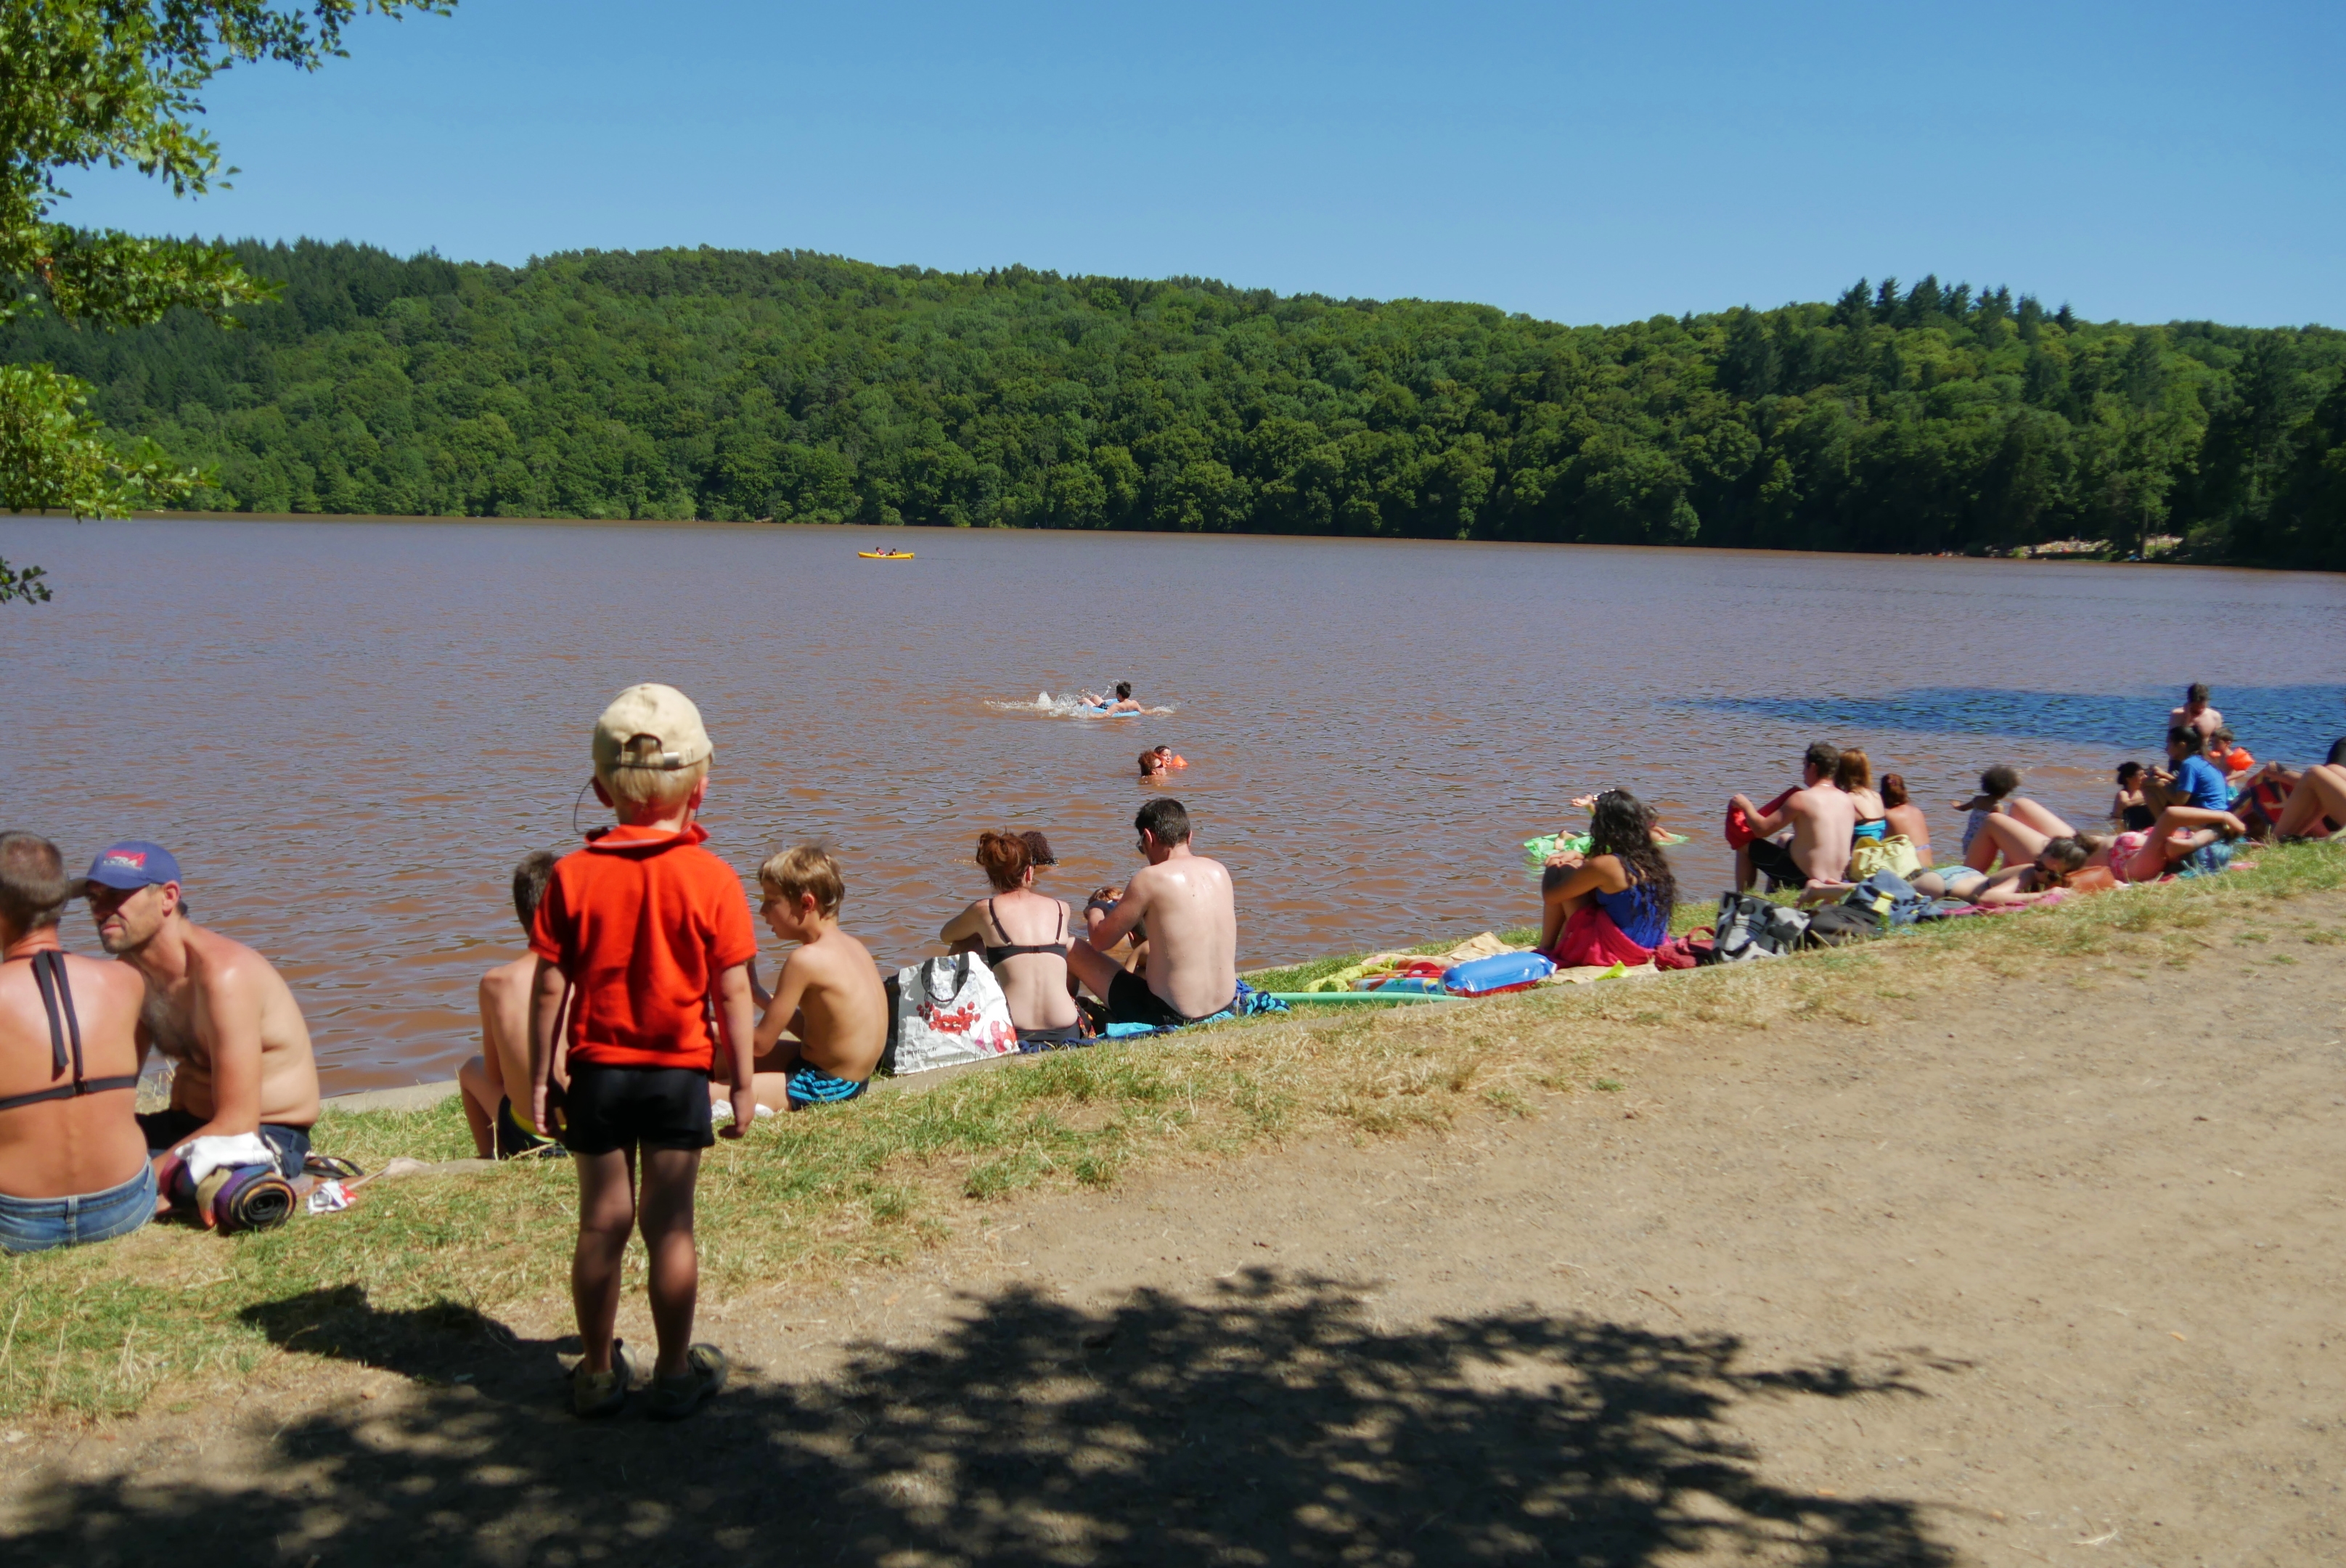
<point x="885" y="554"/>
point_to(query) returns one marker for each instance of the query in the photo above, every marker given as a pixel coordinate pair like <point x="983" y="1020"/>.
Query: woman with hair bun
<point x="1614" y="904"/>
<point x="1024" y="935"/>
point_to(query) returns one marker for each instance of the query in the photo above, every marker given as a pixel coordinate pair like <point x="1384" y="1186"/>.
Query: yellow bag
<point x="1894" y="852"/>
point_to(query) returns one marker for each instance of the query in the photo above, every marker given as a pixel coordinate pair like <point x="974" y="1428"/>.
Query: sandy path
<point x="1898" y="1294"/>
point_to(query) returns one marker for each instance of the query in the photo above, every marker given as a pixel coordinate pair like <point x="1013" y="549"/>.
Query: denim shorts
<point x="37" y="1224"/>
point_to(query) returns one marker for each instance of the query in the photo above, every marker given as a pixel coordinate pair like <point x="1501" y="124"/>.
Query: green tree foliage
<point x="117" y="83"/>
<point x="803" y="387"/>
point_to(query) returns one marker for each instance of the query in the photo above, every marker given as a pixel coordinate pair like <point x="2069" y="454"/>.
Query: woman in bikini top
<point x="68" y="1055"/>
<point x="1854" y="779"/>
<point x="1033" y="972"/>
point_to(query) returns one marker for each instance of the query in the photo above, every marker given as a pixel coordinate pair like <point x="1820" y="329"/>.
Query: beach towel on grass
<point x="1485" y="945"/>
<point x="1248" y="1002"/>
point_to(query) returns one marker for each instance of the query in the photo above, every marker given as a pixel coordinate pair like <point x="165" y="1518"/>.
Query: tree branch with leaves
<point x="118" y="83"/>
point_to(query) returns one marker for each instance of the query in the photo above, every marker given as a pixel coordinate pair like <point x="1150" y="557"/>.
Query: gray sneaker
<point x="673" y="1398"/>
<point x="594" y="1394"/>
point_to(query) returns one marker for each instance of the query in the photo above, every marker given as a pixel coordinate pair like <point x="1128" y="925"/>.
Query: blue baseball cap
<point x="132" y="864"/>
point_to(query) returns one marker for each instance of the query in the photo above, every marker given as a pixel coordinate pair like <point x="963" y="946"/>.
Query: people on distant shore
<point x="73" y="1167"/>
<point x="2195" y="713"/>
<point x="1024" y="937"/>
<point x="489" y="1080"/>
<point x="1821" y="820"/>
<point x="217" y="1010"/>
<point x="1192" y="916"/>
<point x="1612" y="905"/>
<point x="647" y="934"/>
<point x="827" y="997"/>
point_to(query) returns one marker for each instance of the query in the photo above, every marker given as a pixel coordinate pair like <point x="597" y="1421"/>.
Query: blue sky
<point x="1581" y="162"/>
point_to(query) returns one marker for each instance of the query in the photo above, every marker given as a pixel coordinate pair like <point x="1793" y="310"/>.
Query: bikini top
<point x="56" y="998"/>
<point x="994" y="955"/>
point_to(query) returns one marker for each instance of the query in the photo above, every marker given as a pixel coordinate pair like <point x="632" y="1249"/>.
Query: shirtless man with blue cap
<point x="215" y="1007"/>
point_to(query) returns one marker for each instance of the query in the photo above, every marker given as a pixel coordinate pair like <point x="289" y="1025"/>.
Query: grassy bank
<point x="168" y="1313"/>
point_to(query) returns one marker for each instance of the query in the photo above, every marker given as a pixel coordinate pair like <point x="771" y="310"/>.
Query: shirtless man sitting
<point x="1822" y="820"/>
<point x="214" y="1006"/>
<point x="1122" y="703"/>
<point x="2195" y="713"/>
<point x="1193" y="932"/>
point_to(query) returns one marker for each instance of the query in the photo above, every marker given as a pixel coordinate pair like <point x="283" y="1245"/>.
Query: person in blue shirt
<point x="2200" y="781"/>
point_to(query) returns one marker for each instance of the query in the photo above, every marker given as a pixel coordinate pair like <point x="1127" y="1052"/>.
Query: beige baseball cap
<point x="659" y="711"/>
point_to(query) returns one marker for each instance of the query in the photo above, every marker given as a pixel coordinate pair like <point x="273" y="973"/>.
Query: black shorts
<point x="1774" y="861"/>
<point x="1130" y="1000"/>
<point x="170" y="1129"/>
<point x="609" y="1108"/>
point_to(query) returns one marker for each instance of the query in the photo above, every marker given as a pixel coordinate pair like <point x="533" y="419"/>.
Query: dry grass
<point x="170" y="1310"/>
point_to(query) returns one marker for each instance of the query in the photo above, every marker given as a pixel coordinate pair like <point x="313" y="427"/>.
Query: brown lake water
<point x="348" y="731"/>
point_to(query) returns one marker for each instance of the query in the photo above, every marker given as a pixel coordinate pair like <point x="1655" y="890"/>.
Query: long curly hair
<point x="1622" y="825"/>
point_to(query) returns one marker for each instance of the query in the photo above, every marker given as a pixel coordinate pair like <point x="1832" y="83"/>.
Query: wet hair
<point x="1123" y="690"/>
<point x="33" y="884"/>
<point x="1146" y="759"/>
<point x="637" y="780"/>
<point x="1165" y="818"/>
<point x="2184" y="735"/>
<point x="1005" y="857"/>
<point x="2068" y="854"/>
<point x="2337" y="753"/>
<point x="2221" y="739"/>
<point x="2000" y="780"/>
<point x="2196" y="692"/>
<point x="1894" y="790"/>
<point x="1823" y="756"/>
<point x="804" y="868"/>
<point x="2128" y="772"/>
<point x="1854" y="770"/>
<point x="1621" y="825"/>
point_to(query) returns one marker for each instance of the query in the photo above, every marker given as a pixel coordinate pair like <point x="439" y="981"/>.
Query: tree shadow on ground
<point x="1272" y="1423"/>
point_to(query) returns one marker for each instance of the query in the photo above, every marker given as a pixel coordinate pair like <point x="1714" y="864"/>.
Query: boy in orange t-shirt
<point x="644" y="929"/>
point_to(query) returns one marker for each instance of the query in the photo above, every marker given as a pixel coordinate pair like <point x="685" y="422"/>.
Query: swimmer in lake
<point x="1121" y="703"/>
<point x="1152" y="765"/>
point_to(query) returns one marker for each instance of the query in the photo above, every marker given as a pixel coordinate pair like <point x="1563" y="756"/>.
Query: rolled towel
<point x="245" y="1198"/>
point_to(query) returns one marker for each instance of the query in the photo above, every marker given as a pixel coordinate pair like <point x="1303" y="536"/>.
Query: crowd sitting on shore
<point x="635" y="1030"/>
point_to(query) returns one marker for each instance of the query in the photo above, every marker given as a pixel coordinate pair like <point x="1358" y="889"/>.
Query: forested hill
<point x="803" y="387"/>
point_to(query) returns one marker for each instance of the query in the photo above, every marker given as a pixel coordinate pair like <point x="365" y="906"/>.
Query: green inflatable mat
<point x="1548" y="844"/>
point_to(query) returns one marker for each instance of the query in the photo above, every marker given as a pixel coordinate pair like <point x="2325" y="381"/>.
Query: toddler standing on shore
<point x="644" y="929"/>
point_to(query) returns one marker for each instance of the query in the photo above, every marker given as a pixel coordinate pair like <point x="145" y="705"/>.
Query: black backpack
<point x="1837" y="923"/>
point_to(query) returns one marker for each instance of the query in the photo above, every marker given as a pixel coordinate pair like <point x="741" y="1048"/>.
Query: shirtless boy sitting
<point x="214" y="1006"/>
<point x="490" y="1078"/>
<point x="1822" y="819"/>
<point x="828" y="994"/>
<point x="1192" y="965"/>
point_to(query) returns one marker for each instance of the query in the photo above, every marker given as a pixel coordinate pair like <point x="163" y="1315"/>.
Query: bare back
<point x="229" y="995"/>
<point x="841" y="1007"/>
<point x="87" y="1143"/>
<point x="1823" y="818"/>
<point x="1193" y="932"/>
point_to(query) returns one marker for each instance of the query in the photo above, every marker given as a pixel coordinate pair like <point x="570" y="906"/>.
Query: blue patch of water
<point x="2295" y="724"/>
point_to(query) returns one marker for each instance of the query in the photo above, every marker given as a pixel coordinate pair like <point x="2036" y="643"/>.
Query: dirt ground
<point x="2047" y="1275"/>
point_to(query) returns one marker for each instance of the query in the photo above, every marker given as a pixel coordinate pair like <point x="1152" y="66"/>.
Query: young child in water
<point x="828" y="994"/>
<point x="2127" y="807"/>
